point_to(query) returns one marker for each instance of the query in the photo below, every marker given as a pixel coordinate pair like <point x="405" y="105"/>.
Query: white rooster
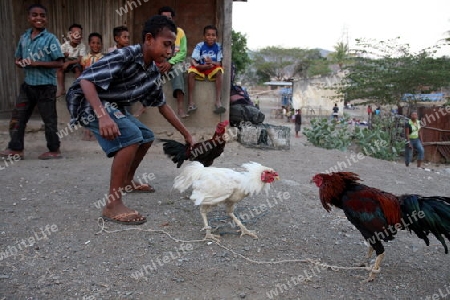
<point x="211" y="186"/>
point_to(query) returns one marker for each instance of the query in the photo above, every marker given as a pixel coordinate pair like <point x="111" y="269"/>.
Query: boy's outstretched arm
<point x="54" y="64"/>
<point x="170" y="116"/>
<point x="106" y="126"/>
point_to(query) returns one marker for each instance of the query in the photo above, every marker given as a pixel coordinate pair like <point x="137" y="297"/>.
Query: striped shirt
<point x="44" y="47"/>
<point x="121" y="77"/>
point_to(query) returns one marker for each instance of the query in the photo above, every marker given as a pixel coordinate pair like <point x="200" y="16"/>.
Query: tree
<point x="239" y="55"/>
<point x="382" y="72"/>
<point x="341" y="55"/>
<point x="284" y="64"/>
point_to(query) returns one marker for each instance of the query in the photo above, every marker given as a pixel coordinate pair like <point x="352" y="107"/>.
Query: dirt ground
<point x="53" y="246"/>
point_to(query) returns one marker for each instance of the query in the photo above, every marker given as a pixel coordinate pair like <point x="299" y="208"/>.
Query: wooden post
<point x="225" y="10"/>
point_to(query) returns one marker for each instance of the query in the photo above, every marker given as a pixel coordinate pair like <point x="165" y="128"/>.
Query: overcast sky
<point x="321" y="24"/>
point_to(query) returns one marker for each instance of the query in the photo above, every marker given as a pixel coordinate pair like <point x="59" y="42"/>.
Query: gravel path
<point x="56" y="249"/>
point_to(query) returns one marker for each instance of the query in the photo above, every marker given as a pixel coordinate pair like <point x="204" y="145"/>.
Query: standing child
<point x="207" y="63"/>
<point x="175" y="64"/>
<point x="74" y="49"/>
<point x="95" y="45"/>
<point x="39" y="88"/>
<point x="121" y="38"/>
<point x="98" y="99"/>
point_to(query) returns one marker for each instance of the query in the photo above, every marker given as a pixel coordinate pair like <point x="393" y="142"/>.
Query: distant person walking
<point x="298" y="122"/>
<point x="335" y="111"/>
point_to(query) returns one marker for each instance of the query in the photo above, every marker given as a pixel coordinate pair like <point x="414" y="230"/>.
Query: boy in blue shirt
<point x="207" y="63"/>
<point x="39" y="54"/>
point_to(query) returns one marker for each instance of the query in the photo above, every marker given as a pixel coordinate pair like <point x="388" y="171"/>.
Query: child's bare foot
<point x="60" y="93"/>
<point x="182" y="114"/>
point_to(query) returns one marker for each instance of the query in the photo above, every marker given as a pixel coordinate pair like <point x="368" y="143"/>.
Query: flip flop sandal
<point x="116" y="219"/>
<point x="220" y="110"/>
<point x="143" y="188"/>
<point x="192" y="108"/>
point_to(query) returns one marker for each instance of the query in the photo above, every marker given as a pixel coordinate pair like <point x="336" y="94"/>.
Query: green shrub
<point x="328" y="134"/>
<point x="384" y="140"/>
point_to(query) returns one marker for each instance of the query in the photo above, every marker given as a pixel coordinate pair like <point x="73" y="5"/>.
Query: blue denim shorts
<point x="132" y="131"/>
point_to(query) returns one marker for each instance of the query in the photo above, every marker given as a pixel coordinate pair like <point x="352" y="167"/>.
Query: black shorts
<point x="72" y="68"/>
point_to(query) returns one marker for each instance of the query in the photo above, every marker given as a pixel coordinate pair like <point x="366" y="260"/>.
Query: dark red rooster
<point x="204" y="152"/>
<point x="379" y="215"/>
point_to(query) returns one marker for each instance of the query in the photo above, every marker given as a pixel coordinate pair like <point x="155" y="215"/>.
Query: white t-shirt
<point x="79" y="50"/>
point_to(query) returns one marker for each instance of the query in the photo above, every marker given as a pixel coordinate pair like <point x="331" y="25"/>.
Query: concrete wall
<point x="314" y="93"/>
<point x="204" y="98"/>
<point x="203" y="117"/>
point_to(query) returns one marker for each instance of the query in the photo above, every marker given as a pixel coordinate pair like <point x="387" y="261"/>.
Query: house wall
<point x="9" y="75"/>
<point x="193" y="16"/>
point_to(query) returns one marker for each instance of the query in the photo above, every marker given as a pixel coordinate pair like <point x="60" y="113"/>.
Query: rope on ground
<point x="101" y="224"/>
<point x="103" y="228"/>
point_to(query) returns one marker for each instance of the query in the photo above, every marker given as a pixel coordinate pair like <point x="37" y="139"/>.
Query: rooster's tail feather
<point x="190" y="173"/>
<point x="176" y="151"/>
<point x="424" y="215"/>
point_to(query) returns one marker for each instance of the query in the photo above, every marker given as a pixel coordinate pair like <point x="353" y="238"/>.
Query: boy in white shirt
<point x="73" y="49"/>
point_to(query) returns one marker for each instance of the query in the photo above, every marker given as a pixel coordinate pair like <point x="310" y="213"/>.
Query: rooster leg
<point x="244" y="231"/>
<point x="204" y="209"/>
<point x="368" y="257"/>
<point x="376" y="267"/>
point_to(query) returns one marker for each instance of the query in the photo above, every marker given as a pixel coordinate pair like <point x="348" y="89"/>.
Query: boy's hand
<point x="107" y="127"/>
<point x="189" y="139"/>
<point x="208" y="60"/>
<point x="165" y="67"/>
<point x="20" y="63"/>
<point x="205" y="67"/>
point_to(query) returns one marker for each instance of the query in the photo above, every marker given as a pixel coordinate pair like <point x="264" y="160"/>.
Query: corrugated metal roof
<point x="278" y="83"/>
<point x="423" y="97"/>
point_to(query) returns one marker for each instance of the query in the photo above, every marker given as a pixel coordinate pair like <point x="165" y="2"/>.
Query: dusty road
<point x="52" y="246"/>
